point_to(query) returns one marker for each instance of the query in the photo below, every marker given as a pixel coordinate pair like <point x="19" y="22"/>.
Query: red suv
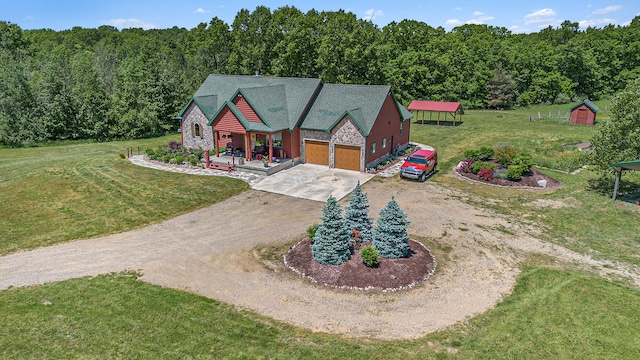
<point x="419" y="165"/>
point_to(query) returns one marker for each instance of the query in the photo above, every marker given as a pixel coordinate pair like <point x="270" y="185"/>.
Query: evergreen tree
<point x="390" y="235"/>
<point x="331" y="241"/>
<point x="356" y="214"/>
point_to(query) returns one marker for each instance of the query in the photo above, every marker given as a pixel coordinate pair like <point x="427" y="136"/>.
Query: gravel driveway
<point x="212" y="252"/>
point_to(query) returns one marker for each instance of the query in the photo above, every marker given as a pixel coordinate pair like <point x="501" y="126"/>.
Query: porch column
<point x="247" y="147"/>
<point x="216" y="142"/>
<point x="270" y="149"/>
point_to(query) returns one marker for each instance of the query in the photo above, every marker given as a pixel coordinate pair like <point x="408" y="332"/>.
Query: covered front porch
<point x="229" y="161"/>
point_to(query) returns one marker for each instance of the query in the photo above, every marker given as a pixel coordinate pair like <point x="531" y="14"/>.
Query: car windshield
<point x="417" y="160"/>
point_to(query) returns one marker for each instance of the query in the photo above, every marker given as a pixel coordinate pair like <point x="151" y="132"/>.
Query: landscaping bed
<point x="527" y="181"/>
<point x="389" y="275"/>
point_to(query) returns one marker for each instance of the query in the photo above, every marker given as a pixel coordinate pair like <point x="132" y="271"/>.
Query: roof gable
<point x="589" y="104"/>
<point x="361" y="102"/>
<point x="270" y="103"/>
<point x="295" y="94"/>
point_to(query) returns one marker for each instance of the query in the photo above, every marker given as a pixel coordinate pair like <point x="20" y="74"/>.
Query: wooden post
<point x="138" y="149"/>
<point x="270" y="149"/>
<point x="216" y="143"/>
<point x="617" y="184"/>
<point x="207" y="159"/>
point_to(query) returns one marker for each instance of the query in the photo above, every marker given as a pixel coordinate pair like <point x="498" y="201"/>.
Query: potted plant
<point x="265" y="161"/>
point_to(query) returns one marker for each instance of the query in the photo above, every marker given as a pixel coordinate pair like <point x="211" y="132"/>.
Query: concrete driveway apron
<point x="313" y="182"/>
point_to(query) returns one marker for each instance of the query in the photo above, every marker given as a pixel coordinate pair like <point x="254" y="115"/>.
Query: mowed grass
<point x="551" y="314"/>
<point x="576" y="216"/>
<point x="59" y="193"/>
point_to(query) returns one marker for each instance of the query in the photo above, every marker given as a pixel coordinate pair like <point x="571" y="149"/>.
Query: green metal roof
<point x="627" y="165"/>
<point x="589" y="104"/>
<point x="362" y="102"/>
<point x="294" y="94"/>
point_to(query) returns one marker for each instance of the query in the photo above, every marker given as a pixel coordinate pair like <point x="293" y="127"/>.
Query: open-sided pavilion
<point x="421" y="107"/>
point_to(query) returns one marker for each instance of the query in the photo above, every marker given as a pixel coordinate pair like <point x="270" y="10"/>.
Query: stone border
<point x="368" y="288"/>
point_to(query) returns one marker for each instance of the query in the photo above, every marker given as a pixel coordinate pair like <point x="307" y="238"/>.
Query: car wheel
<point x="423" y="177"/>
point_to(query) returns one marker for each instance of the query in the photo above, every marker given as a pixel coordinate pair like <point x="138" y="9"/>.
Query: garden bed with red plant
<point x="529" y="180"/>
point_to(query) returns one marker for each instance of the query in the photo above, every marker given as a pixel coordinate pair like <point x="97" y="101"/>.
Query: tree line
<point x="108" y="84"/>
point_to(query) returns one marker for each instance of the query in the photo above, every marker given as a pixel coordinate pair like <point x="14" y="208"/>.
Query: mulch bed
<point x="528" y="180"/>
<point x="389" y="275"/>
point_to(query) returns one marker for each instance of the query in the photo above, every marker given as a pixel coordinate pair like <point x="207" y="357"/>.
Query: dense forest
<point x="108" y="84"/>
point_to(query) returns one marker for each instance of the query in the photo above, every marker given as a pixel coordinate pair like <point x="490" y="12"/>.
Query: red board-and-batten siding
<point x="246" y="109"/>
<point x="227" y="121"/>
<point x="387" y="125"/>
<point x="590" y="118"/>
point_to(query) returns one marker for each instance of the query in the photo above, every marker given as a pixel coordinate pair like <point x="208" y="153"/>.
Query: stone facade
<point x="312" y="135"/>
<point x="344" y="133"/>
<point x="193" y="116"/>
<point x="347" y="133"/>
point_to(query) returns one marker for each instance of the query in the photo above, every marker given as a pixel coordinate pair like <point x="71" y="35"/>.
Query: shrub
<point x="471" y="154"/>
<point x="505" y="154"/>
<point x="485" y="153"/>
<point x="199" y="153"/>
<point x="222" y="149"/>
<point x="369" y="256"/>
<point x="122" y="156"/>
<point x="479" y="165"/>
<point x="524" y="160"/>
<point x="166" y="158"/>
<point x="150" y="152"/>
<point x="500" y="174"/>
<point x="311" y="231"/>
<point x="193" y="160"/>
<point x="514" y="172"/>
<point x="486" y="174"/>
<point x="465" y="167"/>
<point x="174" y="145"/>
<point x="179" y="159"/>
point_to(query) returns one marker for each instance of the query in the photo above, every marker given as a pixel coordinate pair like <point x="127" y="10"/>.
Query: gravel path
<point x="212" y="252"/>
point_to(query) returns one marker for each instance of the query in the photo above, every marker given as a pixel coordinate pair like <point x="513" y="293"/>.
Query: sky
<point x="516" y="16"/>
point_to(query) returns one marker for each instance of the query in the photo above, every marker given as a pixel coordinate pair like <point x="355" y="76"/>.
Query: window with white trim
<point x="401" y="126"/>
<point x="197" y="131"/>
<point x="384" y="143"/>
<point x="373" y="148"/>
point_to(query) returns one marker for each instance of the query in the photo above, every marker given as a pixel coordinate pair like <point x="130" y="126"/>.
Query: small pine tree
<point x="390" y="235"/>
<point x="331" y="241"/>
<point x="356" y="215"/>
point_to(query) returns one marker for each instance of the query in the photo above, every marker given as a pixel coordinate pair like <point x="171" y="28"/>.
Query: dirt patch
<point x="212" y="252"/>
<point x="389" y="275"/>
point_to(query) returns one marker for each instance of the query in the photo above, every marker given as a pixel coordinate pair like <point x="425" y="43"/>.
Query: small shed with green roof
<point x="583" y="113"/>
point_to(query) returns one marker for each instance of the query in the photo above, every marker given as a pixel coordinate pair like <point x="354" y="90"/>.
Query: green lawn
<point x="551" y="314"/>
<point x="588" y="222"/>
<point x="59" y="193"/>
